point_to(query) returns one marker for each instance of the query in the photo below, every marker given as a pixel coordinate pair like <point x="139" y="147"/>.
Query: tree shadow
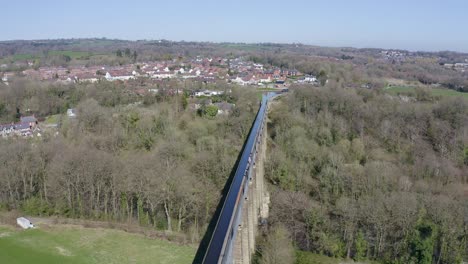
<point x="202" y="248"/>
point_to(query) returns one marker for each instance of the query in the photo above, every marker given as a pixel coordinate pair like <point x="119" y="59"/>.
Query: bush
<point x="35" y="206"/>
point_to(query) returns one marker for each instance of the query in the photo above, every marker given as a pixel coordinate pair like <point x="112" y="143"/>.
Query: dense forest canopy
<point x="361" y="174"/>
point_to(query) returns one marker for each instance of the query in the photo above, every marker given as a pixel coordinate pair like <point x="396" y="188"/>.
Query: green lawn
<point x="74" y="244"/>
<point x="435" y="91"/>
<point x="52" y="119"/>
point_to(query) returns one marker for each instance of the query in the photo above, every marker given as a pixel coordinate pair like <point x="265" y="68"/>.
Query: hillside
<point x="358" y="174"/>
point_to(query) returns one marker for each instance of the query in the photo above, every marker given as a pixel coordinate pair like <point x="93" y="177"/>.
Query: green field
<point x="52" y="119"/>
<point x="75" y="244"/>
<point x="23" y="57"/>
<point x="434" y="91"/>
<point x="72" y="54"/>
<point x="245" y="47"/>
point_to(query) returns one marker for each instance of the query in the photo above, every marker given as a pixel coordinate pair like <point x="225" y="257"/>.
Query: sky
<point x="427" y="25"/>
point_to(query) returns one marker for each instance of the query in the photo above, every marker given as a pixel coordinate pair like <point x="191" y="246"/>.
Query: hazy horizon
<point x="415" y="26"/>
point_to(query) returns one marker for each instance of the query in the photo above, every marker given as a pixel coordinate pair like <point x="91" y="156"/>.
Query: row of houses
<point x="250" y="73"/>
<point x="25" y="128"/>
<point x="153" y="70"/>
<point x="460" y="66"/>
<point x="207" y="93"/>
<point x="236" y="70"/>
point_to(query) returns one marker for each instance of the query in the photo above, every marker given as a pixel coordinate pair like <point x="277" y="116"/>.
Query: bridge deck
<point x="222" y="241"/>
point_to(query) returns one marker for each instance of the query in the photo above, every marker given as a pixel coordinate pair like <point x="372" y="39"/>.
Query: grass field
<point x="52" y="119"/>
<point x="23" y="57"/>
<point x="435" y="91"/>
<point x="245" y="47"/>
<point x="72" y="54"/>
<point x="75" y="244"/>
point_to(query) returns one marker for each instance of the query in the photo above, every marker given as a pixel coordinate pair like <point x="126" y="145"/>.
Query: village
<point x="237" y="71"/>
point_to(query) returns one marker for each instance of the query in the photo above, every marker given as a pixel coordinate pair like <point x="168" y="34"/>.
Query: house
<point x="65" y="80"/>
<point x="293" y="73"/>
<point x="26" y="127"/>
<point x="181" y="71"/>
<point x="118" y="75"/>
<point x="24" y="223"/>
<point x="71" y="113"/>
<point x="86" y="77"/>
<point x="224" y="108"/>
<point x="199" y="93"/>
<point x="265" y="78"/>
<point x="30" y="120"/>
<point x="23" y="129"/>
<point x="207" y="93"/>
<point x="276" y="74"/>
<point x="280" y="81"/>
<point x="249" y="79"/>
<point x="7" y="76"/>
<point x="310" y="79"/>
<point x="162" y="75"/>
<point x="199" y="103"/>
<point x="258" y="66"/>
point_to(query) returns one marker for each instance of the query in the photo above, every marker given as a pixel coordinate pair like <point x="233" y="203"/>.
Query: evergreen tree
<point x="360" y="247"/>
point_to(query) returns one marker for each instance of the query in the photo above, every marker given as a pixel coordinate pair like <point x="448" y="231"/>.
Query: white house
<point x="258" y="66"/>
<point x="310" y="79"/>
<point x="162" y="75"/>
<point x="109" y="77"/>
<point x="24" y="223"/>
<point x="208" y="93"/>
<point x="86" y="78"/>
<point x="71" y="113"/>
<point x="240" y="81"/>
<point x="266" y="79"/>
